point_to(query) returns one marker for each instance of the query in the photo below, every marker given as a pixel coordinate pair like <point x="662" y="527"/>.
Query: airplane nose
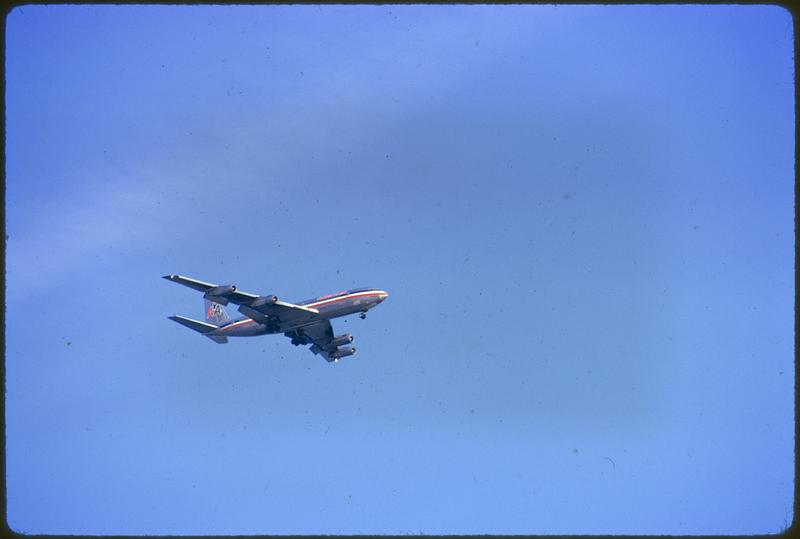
<point x="383" y="295"/>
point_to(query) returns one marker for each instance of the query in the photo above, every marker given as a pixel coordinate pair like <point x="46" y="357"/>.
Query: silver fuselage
<point x="329" y="307"/>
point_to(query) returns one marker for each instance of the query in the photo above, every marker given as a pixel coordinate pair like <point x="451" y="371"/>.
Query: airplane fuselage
<point x="330" y="306"/>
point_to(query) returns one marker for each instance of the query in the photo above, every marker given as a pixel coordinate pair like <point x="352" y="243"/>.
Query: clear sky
<point x="583" y="214"/>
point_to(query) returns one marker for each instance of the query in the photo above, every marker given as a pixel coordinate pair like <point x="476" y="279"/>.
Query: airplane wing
<point x="320" y="336"/>
<point x="263" y="309"/>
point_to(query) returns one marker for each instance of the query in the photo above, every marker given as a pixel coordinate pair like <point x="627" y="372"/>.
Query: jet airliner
<point x="305" y="322"/>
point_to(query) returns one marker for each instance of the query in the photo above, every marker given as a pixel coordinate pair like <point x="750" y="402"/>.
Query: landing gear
<point x="298" y="337"/>
<point x="362" y="316"/>
<point x="294" y="336"/>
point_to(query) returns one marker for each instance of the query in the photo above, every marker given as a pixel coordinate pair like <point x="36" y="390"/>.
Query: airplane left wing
<point x="230" y="291"/>
<point x="320" y="336"/>
<point x="262" y="309"/>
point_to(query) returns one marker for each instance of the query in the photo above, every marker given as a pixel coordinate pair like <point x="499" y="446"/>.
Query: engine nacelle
<point x="340" y="340"/>
<point x="218" y="293"/>
<point x="222" y="290"/>
<point x="260" y="301"/>
<point x="342" y="352"/>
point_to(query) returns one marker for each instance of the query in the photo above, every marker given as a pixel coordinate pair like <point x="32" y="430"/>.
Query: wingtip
<point x="169" y="277"/>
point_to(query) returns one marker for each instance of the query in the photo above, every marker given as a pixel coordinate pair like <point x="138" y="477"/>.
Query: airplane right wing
<point x="320" y="336"/>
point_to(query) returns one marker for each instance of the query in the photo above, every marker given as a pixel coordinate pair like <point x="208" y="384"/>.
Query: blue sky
<point x="583" y="215"/>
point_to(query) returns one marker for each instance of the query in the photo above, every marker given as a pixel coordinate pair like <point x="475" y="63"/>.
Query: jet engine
<point x="260" y="301"/>
<point x="218" y="293"/>
<point x="340" y="340"/>
<point x="342" y="352"/>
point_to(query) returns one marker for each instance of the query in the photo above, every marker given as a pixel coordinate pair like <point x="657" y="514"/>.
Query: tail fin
<point x="215" y="313"/>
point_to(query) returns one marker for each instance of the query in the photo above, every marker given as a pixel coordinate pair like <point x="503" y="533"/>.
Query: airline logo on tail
<point x="215" y="313"/>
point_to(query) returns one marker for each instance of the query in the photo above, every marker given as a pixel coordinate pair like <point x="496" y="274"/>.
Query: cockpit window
<point x="355" y="290"/>
<point x="335" y="294"/>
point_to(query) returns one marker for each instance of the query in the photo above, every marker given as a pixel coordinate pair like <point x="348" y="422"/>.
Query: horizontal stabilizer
<point x="196" y="325"/>
<point x="219" y="339"/>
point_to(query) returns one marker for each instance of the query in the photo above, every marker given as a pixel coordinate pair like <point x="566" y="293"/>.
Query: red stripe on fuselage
<point x="239" y="323"/>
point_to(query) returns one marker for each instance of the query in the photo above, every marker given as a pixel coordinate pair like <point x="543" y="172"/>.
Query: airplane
<point x="305" y="322"/>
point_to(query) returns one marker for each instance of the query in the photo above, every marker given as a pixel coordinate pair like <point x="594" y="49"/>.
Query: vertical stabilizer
<point x="215" y="313"/>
